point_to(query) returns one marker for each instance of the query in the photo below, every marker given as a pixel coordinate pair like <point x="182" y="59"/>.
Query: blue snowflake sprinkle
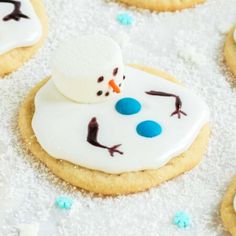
<point x="124" y="19"/>
<point x="181" y="220"/>
<point x="64" y="202"/>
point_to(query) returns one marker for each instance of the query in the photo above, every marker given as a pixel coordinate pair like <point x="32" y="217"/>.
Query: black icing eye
<point x="107" y="94"/>
<point x="119" y="85"/>
<point x="123" y="77"/>
<point x="115" y="71"/>
<point x="99" y="93"/>
<point x="100" y="79"/>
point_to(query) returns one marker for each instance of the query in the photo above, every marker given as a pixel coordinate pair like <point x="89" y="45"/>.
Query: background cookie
<point x="103" y="183"/>
<point x="230" y="51"/>
<point x="162" y="5"/>
<point x="13" y="59"/>
<point x="228" y="214"/>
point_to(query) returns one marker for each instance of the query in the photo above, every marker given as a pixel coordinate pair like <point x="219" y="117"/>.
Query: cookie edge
<point x="230" y="52"/>
<point x="227" y="212"/>
<point x="161" y="5"/>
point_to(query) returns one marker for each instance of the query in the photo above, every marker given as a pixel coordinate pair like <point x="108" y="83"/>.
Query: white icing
<point x="234" y="35"/>
<point x="234" y="203"/>
<point x="61" y="125"/>
<point x="22" y="33"/>
<point x="78" y="64"/>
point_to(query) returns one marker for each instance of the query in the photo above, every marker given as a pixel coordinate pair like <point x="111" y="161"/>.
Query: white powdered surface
<point x="188" y="45"/>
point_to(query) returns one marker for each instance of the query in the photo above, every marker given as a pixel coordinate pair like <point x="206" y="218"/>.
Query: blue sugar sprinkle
<point x="182" y="220"/>
<point x="128" y="106"/>
<point x="124" y="19"/>
<point x="64" y="202"/>
<point x="149" y="129"/>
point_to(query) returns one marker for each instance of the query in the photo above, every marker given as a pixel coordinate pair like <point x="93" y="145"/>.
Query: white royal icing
<point x="61" y="125"/>
<point x="78" y="64"/>
<point x="22" y="33"/>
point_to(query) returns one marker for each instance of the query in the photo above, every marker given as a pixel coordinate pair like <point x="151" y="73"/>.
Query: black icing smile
<point x="16" y="14"/>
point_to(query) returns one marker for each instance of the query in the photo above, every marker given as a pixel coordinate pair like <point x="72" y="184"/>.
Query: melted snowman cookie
<point x="162" y="5"/>
<point x="230" y="51"/>
<point x="143" y="124"/>
<point x="178" y="130"/>
<point x="23" y="26"/>
<point x="228" y="208"/>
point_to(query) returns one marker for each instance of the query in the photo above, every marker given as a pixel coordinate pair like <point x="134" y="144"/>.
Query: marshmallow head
<point x="88" y="69"/>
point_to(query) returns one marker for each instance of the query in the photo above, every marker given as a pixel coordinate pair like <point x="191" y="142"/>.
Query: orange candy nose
<point x="114" y="86"/>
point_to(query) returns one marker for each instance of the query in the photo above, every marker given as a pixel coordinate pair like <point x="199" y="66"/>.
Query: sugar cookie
<point x="230" y="50"/>
<point x="24" y="27"/>
<point x="130" y="129"/>
<point x="162" y="5"/>
<point x="228" y="208"/>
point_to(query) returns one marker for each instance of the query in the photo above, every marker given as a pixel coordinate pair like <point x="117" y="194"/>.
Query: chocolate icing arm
<point x="178" y="105"/>
<point x="93" y="128"/>
<point x="16" y="14"/>
<point x="178" y="102"/>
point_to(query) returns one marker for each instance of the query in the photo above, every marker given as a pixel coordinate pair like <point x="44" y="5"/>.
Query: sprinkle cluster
<point x="181" y="220"/>
<point x="64" y="202"/>
<point x="125" y="19"/>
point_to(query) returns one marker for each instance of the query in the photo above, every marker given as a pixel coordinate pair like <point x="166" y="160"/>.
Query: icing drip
<point x="178" y="102"/>
<point x="93" y="128"/>
<point x="16" y="14"/>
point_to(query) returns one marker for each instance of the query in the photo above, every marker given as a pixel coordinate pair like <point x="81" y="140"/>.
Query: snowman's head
<point x="88" y="69"/>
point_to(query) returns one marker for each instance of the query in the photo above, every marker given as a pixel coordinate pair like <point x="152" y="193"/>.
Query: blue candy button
<point x="128" y="106"/>
<point x="149" y="129"/>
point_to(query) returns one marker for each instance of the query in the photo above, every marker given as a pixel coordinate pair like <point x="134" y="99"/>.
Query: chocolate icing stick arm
<point x="16" y="14"/>
<point x="93" y="128"/>
<point x="114" y="149"/>
<point x="178" y="102"/>
<point x="158" y="93"/>
<point x="178" y="105"/>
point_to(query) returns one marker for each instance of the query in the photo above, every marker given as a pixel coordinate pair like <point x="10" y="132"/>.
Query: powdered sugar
<point x="155" y="40"/>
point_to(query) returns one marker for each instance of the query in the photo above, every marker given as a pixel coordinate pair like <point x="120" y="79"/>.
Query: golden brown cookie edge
<point x="227" y="212"/>
<point x="162" y="5"/>
<point x="230" y="52"/>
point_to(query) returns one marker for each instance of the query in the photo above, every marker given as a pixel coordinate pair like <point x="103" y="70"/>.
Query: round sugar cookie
<point x="230" y="50"/>
<point x="13" y="58"/>
<point x="104" y="183"/>
<point x="162" y="5"/>
<point x="228" y="214"/>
